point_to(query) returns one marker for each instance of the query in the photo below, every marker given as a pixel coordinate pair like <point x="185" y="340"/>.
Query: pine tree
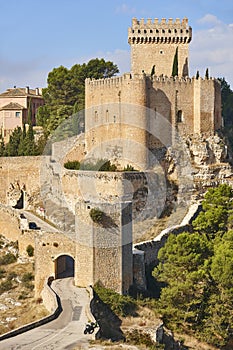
<point x="175" y="64"/>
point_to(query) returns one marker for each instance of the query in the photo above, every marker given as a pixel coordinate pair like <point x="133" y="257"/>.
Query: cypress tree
<point x="21" y="149"/>
<point x="207" y="73"/>
<point x="197" y="75"/>
<point x="2" y="147"/>
<point x="175" y="64"/>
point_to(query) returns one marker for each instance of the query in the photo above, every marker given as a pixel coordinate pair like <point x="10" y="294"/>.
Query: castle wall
<point x="9" y="224"/>
<point x="48" y="246"/>
<point x="146" y="190"/>
<point x="115" y="120"/>
<point x="21" y="170"/>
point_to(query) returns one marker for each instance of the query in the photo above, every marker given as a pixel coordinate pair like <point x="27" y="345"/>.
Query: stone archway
<point x="64" y="266"/>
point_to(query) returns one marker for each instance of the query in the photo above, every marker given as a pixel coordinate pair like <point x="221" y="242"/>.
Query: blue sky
<point x="38" y="36"/>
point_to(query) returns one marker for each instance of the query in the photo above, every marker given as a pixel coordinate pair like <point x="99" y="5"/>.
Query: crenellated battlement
<point x="127" y="77"/>
<point x="165" y="31"/>
<point x="115" y="81"/>
<point x="180" y="80"/>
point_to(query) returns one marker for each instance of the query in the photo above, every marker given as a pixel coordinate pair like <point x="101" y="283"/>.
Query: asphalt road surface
<point x="39" y="222"/>
<point x="66" y="331"/>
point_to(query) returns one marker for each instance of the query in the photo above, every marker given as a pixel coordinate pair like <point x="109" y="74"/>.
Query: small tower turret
<point x="154" y="44"/>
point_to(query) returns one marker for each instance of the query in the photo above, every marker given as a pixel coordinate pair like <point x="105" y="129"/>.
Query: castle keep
<point x="138" y="105"/>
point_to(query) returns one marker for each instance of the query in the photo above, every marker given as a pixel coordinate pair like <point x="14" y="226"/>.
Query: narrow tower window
<point x="179" y="116"/>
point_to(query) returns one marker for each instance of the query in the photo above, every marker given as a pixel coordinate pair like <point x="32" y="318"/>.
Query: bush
<point x="121" y="305"/>
<point x="129" y="168"/>
<point x="5" y="286"/>
<point x="99" y="165"/>
<point x="2" y="273"/>
<point x="96" y="214"/>
<point x="28" y="285"/>
<point x="72" y="165"/>
<point x="30" y="250"/>
<point x="23" y="296"/>
<point x="27" y="277"/>
<point x="11" y="276"/>
<point x="138" y="337"/>
<point x="9" y="258"/>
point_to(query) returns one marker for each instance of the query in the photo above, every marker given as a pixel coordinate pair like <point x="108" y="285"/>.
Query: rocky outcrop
<point x="208" y="166"/>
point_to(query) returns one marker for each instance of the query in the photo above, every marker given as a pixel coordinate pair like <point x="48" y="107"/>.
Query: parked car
<point x="33" y="226"/>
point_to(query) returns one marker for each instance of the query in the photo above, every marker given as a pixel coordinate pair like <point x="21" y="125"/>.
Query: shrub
<point x="72" y="165"/>
<point x="2" y="273"/>
<point x="11" y="275"/>
<point x="30" y="250"/>
<point x="121" y="305"/>
<point x="96" y="214"/>
<point x="9" y="258"/>
<point x="28" y="285"/>
<point x="129" y="168"/>
<point x="99" y="165"/>
<point x="27" y="277"/>
<point x="23" y="296"/>
<point x="138" y="337"/>
<point x="5" y="286"/>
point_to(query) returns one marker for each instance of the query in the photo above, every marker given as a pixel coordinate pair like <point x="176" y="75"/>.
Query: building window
<point x="179" y="116"/>
<point x="17" y="114"/>
<point x="107" y="116"/>
<point x="161" y="52"/>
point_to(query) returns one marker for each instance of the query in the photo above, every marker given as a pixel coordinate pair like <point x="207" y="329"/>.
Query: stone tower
<point x="154" y="45"/>
<point x="104" y="248"/>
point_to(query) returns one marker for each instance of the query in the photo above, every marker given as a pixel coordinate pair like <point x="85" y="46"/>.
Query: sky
<point x="37" y="36"/>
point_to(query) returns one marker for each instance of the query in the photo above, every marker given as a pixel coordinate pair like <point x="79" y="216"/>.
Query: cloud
<point x="211" y="48"/>
<point x="125" y="9"/>
<point x="209" y="19"/>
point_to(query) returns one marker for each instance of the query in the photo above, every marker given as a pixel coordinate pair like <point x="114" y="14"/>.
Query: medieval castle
<point x="128" y="119"/>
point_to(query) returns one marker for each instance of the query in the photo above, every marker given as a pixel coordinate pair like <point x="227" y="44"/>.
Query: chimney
<point x="37" y="91"/>
<point x="27" y="89"/>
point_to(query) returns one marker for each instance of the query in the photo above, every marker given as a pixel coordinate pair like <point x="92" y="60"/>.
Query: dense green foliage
<point x="121" y="305"/>
<point x="197" y="269"/>
<point x="227" y="103"/>
<point x="30" y="250"/>
<point x="21" y="143"/>
<point x="7" y="259"/>
<point x="96" y="214"/>
<point x="65" y="94"/>
<point x="99" y="165"/>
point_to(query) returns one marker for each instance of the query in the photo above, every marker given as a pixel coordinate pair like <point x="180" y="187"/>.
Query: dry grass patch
<point x="17" y="303"/>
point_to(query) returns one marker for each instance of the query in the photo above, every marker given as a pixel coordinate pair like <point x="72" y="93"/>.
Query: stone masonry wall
<point x="9" y="223"/>
<point x="22" y="170"/>
<point x="104" y="249"/>
<point x="48" y="247"/>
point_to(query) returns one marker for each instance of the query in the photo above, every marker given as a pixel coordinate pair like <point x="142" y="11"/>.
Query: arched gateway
<point x="64" y="266"/>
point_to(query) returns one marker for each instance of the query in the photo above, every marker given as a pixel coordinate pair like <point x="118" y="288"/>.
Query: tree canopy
<point x="197" y="270"/>
<point x="65" y="94"/>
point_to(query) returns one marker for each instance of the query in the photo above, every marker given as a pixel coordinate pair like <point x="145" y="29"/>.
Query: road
<point x="40" y="222"/>
<point x="66" y="331"/>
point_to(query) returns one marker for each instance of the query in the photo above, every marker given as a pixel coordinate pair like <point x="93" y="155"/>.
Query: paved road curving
<point x="66" y="331"/>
